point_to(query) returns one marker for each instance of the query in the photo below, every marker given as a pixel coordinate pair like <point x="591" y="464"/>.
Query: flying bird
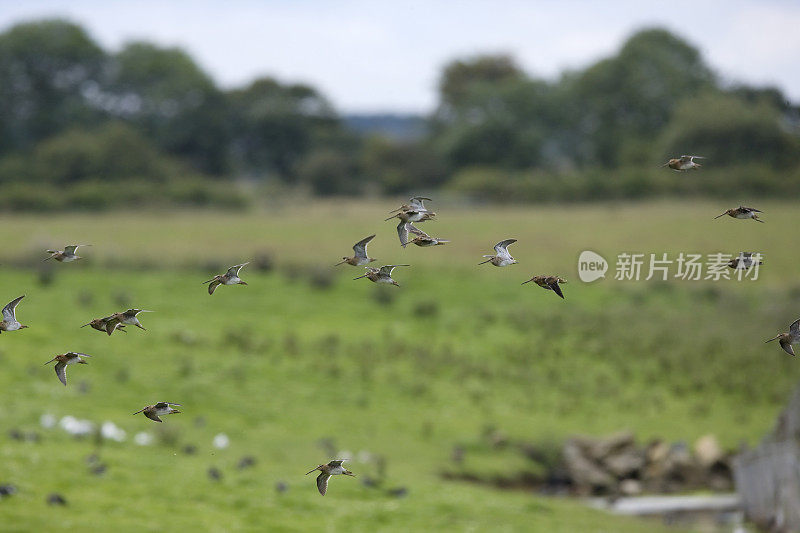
<point x="360" y="250"/>
<point x="158" y="409"/>
<point x="745" y="260"/>
<point x="548" y="282"/>
<point x="420" y="237"/>
<point x="10" y="322"/>
<point x="231" y="277"/>
<point x="334" y="468"/>
<point x="106" y="325"/>
<point x="69" y="358"/>
<point x="787" y="339"/>
<point x="503" y="258"/>
<point x="684" y="162"/>
<point x="128" y="317"/>
<point x="381" y="275"/>
<point x="417" y="203"/>
<point x="67" y="255"/>
<point x="742" y="212"/>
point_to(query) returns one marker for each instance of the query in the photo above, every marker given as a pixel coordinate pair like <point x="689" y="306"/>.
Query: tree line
<point x="87" y="127"/>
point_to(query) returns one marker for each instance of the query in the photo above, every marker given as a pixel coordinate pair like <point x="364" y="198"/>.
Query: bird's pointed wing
<point x="501" y="247"/>
<point x="794" y="329"/>
<point x="750" y="209"/>
<point x="69" y="250"/>
<point x="787" y="347"/>
<point x="418" y="202"/>
<point x="555" y="288"/>
<point x="9" y="311"/>
<point x="151" y="415"/>
<point x="337" y="462"/>
<point x="234" y="270"/>
<point x="76" y="354"/>
<point x="322" y="483"/>
<point x="402" y="232"/>
<point x="386" y="270"/>
<point x="213" y="286"/>
<point x="360" y="248"/>
<point x="61" y="372"/>
<point x="416" y="231"/>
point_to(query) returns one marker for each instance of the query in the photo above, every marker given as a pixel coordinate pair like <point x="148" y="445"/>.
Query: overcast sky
<point x="376" y="55"/>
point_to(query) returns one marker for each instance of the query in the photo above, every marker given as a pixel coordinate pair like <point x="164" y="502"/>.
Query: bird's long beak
<point x="340" y="263"/>
<point x="242" y="283"/>
<point x="317" y="468"/>
<point x="359" y="277"/>
<point x="349" y="474"/>
<point x="209" y="281"/>
<point x="50" y="361"/>
<point x="485" y="262"/>
<point x="722" y="215"/>
<point x="772" y="339"/>
<point x="524" y="282"/>
<point x="89" y="324"/>
<point x="390" y="218"/>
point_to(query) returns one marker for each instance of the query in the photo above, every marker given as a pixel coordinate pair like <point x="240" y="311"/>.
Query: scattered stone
<point x="7" y="490"/>
<point x="214" y="474"/>
<point x="56" y="499"/>
<point x="247" y="461"/>
<point x="708" y="451"/>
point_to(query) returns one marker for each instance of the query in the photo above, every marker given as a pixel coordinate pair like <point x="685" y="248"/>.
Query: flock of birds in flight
<point x="408" y="214"/>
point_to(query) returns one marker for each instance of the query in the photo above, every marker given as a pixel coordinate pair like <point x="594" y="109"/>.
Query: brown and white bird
<point x="787" y="339"/>
<point x="106" y="325"/>
<point x="417" y="203"/>
<point x="548" y="282"/>
<point x="420" y="237"/>
<point x="128" y="317"/>
<point x="158" y="409"/>
<point x="360" y="257"/>
<point x="742" y="212"/>
<point x="381" y="275"/>
<point x="69" y="358"/>
<point x="503" y="258"/>
<point x="746" y="260"/>
<point x="334" y="468"/>
<point x="684" y="162"/>
<point x="231" y="277"/>
<point x="10" y="322"/>
<point x="67" y="255"/>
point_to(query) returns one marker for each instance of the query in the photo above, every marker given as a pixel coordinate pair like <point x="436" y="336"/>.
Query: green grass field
<point x="304" y="354"/>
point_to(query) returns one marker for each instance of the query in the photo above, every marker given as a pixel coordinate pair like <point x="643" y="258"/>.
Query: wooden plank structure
<point x="768" y="477"/>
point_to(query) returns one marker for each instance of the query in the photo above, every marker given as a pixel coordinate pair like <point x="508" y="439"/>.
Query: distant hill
<point x="395" y="126"/>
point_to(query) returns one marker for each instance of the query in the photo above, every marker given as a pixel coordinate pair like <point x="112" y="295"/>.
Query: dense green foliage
<point x="74" y="113"/>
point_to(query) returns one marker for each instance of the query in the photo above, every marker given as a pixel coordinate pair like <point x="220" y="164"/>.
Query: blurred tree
<point x="461" y="77"/>
<point x="46" y="69"/>
<point x="631" y="96"/>
<point x="111" y="152"/>
<point x="276" y="125"/>
<point x="171" y="100"/>
<point x="401" y="167"/>
<point x="729" y="132"/>
<point x="328" y="171"/>
<point x="491" y="113"/>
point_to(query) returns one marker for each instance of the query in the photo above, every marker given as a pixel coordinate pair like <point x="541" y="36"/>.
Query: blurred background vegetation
<point x="87" y="128"/>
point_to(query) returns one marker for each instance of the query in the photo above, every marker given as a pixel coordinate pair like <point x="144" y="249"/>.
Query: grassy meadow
<point x="305" y="362"/>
